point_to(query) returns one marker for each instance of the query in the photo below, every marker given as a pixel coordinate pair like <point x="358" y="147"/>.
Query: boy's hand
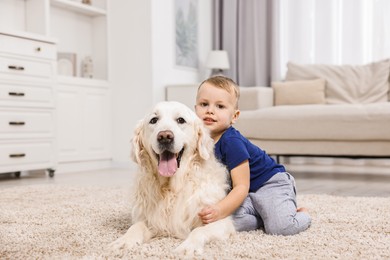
<point x="209" y="214"/>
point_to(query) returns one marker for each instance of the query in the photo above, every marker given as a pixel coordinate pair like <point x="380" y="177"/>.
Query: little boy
<point x="262" y="193"/>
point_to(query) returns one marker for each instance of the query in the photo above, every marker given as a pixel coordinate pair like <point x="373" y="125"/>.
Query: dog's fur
<point x="166" y="203"/>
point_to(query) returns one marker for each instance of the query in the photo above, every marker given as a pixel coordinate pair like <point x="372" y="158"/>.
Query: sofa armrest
<point x="252" y="98"/>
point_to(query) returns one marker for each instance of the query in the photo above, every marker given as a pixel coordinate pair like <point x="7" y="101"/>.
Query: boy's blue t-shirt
<point x="233" y="148"/>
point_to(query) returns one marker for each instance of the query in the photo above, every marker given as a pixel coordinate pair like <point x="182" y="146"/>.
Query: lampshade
<point x="218" y="59"/>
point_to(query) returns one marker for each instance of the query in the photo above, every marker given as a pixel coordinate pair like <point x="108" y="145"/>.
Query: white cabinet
<point x="83" y="121"/>
<point x="27" y="114"/>
<point x="83" y="104"/>
<point x="80" y="29"/>
<point x="82" y="101"/>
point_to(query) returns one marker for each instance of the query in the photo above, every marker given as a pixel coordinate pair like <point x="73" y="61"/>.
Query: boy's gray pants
<point x="273" y="208"/>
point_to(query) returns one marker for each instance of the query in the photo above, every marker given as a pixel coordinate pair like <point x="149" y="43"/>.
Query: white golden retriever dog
<point x="178" y="175"/>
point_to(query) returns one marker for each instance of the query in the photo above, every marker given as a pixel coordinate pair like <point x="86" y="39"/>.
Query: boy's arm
<point x="240" y="182"/>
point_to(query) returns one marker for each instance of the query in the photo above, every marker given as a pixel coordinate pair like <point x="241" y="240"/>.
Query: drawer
<point x="22" y="95"/>
<point x="12" y="67"/>
<point x="25" y="153"/>
<point x="16" y="123"/>
<point x="21" y="46"/>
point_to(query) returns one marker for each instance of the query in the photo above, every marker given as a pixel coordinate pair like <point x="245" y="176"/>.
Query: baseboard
<point x="124" y="165"/>
<point x="67" y="167"/>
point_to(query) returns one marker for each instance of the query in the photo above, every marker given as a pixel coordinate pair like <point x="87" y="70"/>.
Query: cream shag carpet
<point x="62" y="222"/>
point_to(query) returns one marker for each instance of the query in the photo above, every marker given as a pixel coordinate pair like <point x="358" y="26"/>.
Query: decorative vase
<point x="87" y="67"/>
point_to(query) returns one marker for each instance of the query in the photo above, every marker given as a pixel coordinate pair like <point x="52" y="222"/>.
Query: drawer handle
<point x="38" y="49"/>
<point x="17" y="123"/>
<point x="13" y="67"/>
<point x="17" y="94"/>
<point x="17" y="155"/>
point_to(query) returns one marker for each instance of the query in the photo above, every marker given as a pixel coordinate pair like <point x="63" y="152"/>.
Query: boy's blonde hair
<point x="224" y="83"/>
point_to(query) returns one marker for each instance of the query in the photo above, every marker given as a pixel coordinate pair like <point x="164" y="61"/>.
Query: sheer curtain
<point x="334" y="32"/>
<point x="261" y="36"/>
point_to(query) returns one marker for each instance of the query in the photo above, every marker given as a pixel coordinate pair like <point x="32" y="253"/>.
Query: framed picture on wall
<point x="186" y="22"/>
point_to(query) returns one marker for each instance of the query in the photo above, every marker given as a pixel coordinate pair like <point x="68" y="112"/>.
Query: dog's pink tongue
<point x="167" y="165"/>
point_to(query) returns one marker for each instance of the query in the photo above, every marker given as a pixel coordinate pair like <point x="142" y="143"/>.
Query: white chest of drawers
<point x="27" y="114"/>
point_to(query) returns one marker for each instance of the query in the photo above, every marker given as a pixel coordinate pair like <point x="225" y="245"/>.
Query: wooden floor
<point x="335" y="184"/>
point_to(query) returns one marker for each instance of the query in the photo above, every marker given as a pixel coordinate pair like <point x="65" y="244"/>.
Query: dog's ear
<point x="205" y="143"/>
<point x="137" y="144"/>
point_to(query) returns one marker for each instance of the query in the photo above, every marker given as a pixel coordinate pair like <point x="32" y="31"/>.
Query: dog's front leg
<point x="135" y="235"/>
<point x="194" y="243"/>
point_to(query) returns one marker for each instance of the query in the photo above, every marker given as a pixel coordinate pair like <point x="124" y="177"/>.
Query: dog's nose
<point x="165" y="137"/>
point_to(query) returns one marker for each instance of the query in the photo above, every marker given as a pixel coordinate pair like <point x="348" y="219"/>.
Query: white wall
<point x="129" y="70"/>
<point x="142" y="51"/>
<point x="165" y="71"/>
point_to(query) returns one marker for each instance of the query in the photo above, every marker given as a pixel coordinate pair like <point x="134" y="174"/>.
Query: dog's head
<point x="164" y="135"/>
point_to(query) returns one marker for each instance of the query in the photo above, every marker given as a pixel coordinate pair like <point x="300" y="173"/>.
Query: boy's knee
<point x="281" y="230"/>
<point x="287" y="228"/>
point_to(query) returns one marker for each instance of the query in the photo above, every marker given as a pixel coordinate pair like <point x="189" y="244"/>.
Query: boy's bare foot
<point x="302" y="209"/>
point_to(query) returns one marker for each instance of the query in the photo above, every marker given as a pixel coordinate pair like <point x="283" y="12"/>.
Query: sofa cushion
<point x="318" y="122"/>
<point x="347" y="83"/>
<point x="299" y="92"/>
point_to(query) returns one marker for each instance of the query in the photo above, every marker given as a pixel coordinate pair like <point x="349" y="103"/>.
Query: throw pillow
<point x="347" y="83"/>
<point x="299" y="92"/>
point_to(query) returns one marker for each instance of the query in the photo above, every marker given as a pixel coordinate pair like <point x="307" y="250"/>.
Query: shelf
<point x="79" y="7"/>
<point x="29" y="35"/>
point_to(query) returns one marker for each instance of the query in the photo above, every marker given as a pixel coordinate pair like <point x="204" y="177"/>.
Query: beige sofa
<point x="321" y="110"/>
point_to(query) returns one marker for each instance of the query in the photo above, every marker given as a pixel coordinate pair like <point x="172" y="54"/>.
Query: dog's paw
<point x="189" y="248"/>
<point x="124" y="243"/>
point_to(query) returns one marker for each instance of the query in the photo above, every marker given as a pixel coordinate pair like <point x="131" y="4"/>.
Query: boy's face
<point x="216" y="107"/>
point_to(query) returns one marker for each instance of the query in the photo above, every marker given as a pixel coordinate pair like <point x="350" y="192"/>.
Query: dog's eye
<point x="181" y="120"/>
<point x="153" y="120"/>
